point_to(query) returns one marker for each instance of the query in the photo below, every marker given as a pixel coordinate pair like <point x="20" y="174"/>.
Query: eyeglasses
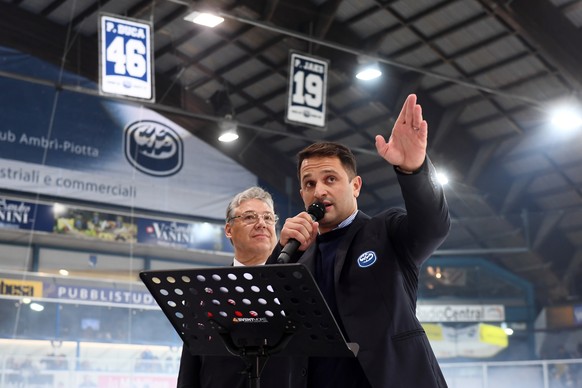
<point x="251" y="217"/>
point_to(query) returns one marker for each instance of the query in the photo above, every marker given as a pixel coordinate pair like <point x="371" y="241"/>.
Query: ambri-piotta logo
<point x="153" y="148"/>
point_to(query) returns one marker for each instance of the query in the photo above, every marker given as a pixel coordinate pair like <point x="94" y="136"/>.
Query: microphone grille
<point x="317" y="210"/>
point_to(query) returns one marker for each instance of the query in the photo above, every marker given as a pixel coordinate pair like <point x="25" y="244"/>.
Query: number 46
<point x="128" y="57"/>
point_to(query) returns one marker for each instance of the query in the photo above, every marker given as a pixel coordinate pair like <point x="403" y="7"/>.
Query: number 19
<point x="308" y="90"/>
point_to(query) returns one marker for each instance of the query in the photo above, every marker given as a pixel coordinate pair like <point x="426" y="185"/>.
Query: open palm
<point x="406" y="146"/>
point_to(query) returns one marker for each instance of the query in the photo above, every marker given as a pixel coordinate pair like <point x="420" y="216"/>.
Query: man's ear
<point x="356" y="186"/>
<point x="228" y="230"/>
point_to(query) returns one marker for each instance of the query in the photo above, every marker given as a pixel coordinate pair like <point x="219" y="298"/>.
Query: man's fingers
<point x="402" y="116"/>
<point x="380" y="144"/>
<point x="417" y="117"/>
<point x="409" y="109"/>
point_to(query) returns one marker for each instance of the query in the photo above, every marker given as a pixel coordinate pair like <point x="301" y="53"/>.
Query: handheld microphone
<point x="316" y="210"/>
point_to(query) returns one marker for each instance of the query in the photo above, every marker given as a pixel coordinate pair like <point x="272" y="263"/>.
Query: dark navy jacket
<point x="376" y="280"/>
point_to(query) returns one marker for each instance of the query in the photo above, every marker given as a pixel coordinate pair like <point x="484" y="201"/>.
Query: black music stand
<point x="256" y="311"/>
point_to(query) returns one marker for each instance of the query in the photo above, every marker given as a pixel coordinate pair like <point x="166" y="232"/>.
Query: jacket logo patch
<point x="366" y="259"/>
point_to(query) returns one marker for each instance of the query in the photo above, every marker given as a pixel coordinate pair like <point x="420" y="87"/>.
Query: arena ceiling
<point x="487" y="73"/>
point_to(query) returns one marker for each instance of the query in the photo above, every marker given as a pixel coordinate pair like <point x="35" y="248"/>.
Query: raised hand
<point x="406" y="147"/>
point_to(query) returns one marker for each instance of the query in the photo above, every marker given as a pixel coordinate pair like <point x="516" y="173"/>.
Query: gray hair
<point x="254" y="192"/>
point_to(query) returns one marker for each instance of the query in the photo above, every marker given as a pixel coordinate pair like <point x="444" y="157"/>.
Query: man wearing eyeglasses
<point x="250" y="226"/>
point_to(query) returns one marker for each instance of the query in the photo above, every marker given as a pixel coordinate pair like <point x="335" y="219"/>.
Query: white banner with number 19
<point x="307" y="90"/>
<point x="125" y="57"/>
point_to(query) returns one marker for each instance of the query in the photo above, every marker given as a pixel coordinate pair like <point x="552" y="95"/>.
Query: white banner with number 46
<point x="307" y="90"/>
<point x="126" y="57"/>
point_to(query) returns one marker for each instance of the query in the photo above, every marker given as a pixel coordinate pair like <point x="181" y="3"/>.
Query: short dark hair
<point x="329" y="150"/>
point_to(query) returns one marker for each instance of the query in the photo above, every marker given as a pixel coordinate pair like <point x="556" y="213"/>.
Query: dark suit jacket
<point x="376" y="280"/>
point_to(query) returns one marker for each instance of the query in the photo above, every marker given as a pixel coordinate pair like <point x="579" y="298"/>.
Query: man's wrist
<point x="400" y="169"/>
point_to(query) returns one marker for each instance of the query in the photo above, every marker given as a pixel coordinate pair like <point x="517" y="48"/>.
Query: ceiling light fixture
<point x="442" y="178"/>
<point x="228" y="130"/>
<point x="369" y="72"/>
<point x="204" y="19"/>
<point x="223" y="108"/>
<point x="566" y="118"/>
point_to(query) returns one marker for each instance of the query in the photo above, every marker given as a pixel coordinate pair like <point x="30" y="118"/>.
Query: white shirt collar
<point x="236" y="263"/>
